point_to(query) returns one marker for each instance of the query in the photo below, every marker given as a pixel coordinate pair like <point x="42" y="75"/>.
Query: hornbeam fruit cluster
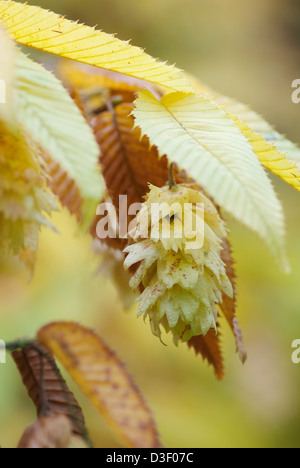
<point x="178" y="268"/>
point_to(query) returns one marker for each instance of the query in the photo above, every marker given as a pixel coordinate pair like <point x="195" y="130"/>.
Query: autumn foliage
<point x="122" y="123"/>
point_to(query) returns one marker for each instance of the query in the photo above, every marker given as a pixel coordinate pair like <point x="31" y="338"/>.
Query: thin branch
<point x="172" y="181"/>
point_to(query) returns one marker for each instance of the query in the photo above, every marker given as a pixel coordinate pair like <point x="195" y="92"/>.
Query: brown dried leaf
<point x="51" y="432"/>
<point x="228" y="305"/>
<point x="103" y="378"/>
<point x="81" y="78"/>
<point x="128" y="163"/>
<point x="63" y="186"/>
<point x="209" y="348"/>
<point x="46" y="386"/>
<point x="241" y="350"/>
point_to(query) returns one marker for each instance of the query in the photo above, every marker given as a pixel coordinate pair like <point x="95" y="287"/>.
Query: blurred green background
<point x="248" y="50"/>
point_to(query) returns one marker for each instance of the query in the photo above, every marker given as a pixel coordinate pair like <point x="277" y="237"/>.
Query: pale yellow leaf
<point x="203" y="140"/>
<point x="51" y="117"/>
<point x="275" y="152"/>
<point x="270" y="157"/>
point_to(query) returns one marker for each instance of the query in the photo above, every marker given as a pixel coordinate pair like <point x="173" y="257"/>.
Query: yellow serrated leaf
<point x="270" y="157"/>
<point x="43" y="30"/>
<point x="275" y="152"/>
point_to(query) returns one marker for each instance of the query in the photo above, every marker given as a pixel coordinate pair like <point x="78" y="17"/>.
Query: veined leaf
<point x="259" y="125"/>
<point x="43" y="30"/>
<point x="196" y="134"/>
<point x="46" y="386"/>
<point x="128" y="163"/>
<point x="63" y="186"/>
<point x="53" y="120"/>
<point x="103" y="378"/>
<point x="275" y="152"/>
<point x="270" y="157"/>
